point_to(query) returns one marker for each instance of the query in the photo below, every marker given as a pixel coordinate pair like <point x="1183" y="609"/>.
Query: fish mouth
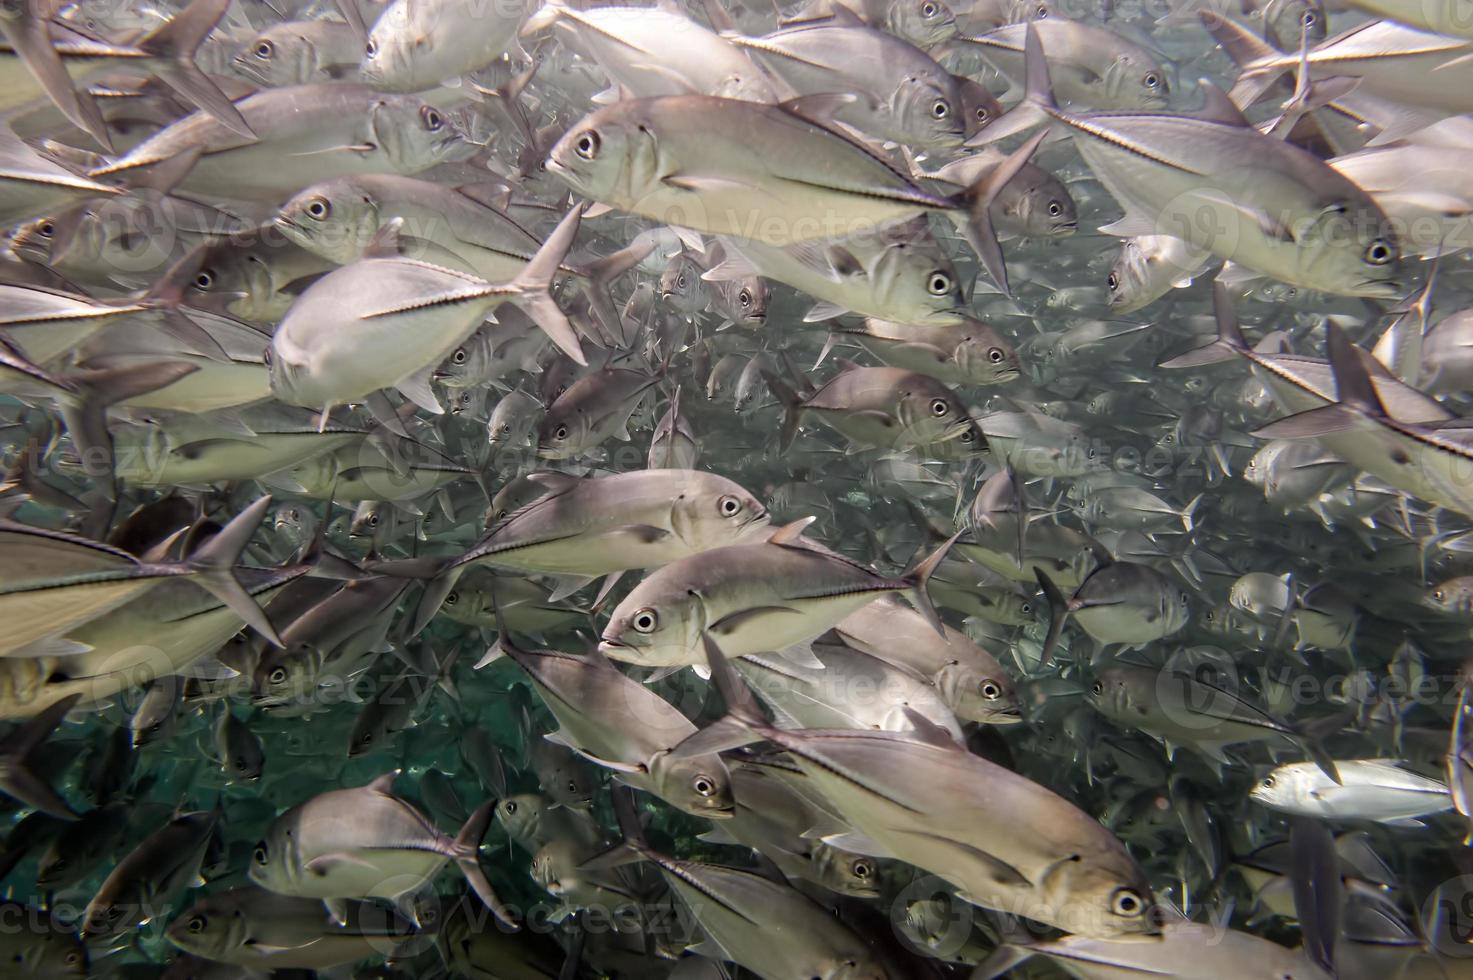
<point x="759" y="518"/>
<point x="1379" y="289"/>
<point x="552" y="166"/>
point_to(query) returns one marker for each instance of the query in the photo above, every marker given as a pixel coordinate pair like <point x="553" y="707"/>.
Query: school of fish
<point x="823" y="490"/>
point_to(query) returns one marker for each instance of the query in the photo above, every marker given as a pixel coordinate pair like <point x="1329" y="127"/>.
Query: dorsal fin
<point x="789" y="533"/>
<point x="1218" y="107"/>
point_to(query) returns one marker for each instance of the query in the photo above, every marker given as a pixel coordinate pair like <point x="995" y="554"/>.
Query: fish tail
<point x="792" y="408"/>
<point x="602" y="272"/>
<point x="434" y="597"/>
<point x="633" y="847"/>
<point x="1247" y="50"/>
<point x="213" y="568"/>
<point x="1229" y="342"/>
<point x="743" y="723"/>
<point x="1038" y="97"/>
<point x="1058" y="608"/>
<point x="29" y="35"/>
<point x="979" y="196"/>
<point x="1357" y="394"/>
<point x="467" y="847"/>
<point x="174" y="44"/>
<point x="91" y="392"/>
<point x="535" y="282"/>
<point x="920" y="575"/>
<point x="18" y="778"/>
<point x="1312" y="735"/>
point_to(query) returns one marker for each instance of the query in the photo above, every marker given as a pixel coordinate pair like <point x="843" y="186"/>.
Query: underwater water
<point x="869" y="489"/>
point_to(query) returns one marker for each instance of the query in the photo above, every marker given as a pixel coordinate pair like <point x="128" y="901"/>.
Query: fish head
<point x="681" y="284"/>
<point x="711" y="511"/>
<point x="1281" y="787"/>
<point x="748" y="297"/>
<point x="699" y="785"/>
<point x="986" y="358"/>
<point x="1455" y="596"/>
<point x="1103" y="894"/>
<point x="274" y="856"/>
<point x="1348" y="248"/>
<point x="978" y="107"/>
<point x="917" y="280"/>
<point x="564" y="432"/>
<point x="1132" y="82"/>
<point x="1286" y="22"/>
<point x="659" y="623"/>
<point x="844" y="871"/>
<point x="275" y="57"/>
<point x="389" y="63"/>
<point x="924" y="23"/>
<point x="335" y="219"/>
<point x="1044" y="205"/>
<point x="930" y="114"/>
<point x="1115" y="691"/>
<point x="604" y="154"/>
<point x="290" y="381"/>
<point x="415" y="135"/>
<point x="283" y="675"/>
<point x="978" y="695"/>
<point x="467" y="365"/>
<point x="521" y="814"/>
<point x="209" y="928"/>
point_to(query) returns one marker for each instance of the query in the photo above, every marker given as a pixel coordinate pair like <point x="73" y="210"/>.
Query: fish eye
<point x="506" y="427"/>
<point x="1380" y="252"/>
<point x="371" y="48"/>
<point x="1268" y="782"/>
<point x="318" y="208"/>
<point x="939" y="407"/>
<point x="204" y="279"/>
<point x="939" y="109"/>
<point x="47" y="229"/>
<point x="1055" y="209"/>
<point x="939" y="284"/>
<point x="587" y="144"/>
<point x="1308" y="19"/>
<point x="1439" y="595"/>
<point x="1113" y="281"/>
<point x="862" y="870"/>
<point x="277" y="675"/>
<point x="995" y="355"/>
<point x="265" y="49"/>
<point x="572" y="786"/>
<point x="729" y="506"/>
<point x="196" y="924"/>
<point x="990" y="690"/>
<point x="982" y="114"/>
<point x="745" y="298"/>
<point x="73" y="958"/>
<point x="373" y="520"/>
<point x="561" y="433"/>
<point x="1127" y="902"/>
<point x="459" y="356"/>
<point x="928" y="10"/>
<point x="1027" y="607"/>
<point x="1152" y="80"/>
<point x="511" y="806"/>
<point x="1099" y="688"/>
<point x="1169" y="439"/>
<point x="260" y="854"/>
<point x="645" y="621"/>
<point x="680" y="280"/>
<point x="432" y="118"/>
<point x="703" y="785"/>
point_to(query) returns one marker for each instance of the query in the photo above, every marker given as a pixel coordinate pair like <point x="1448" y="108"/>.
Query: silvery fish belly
<point x="682" y="488"/>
